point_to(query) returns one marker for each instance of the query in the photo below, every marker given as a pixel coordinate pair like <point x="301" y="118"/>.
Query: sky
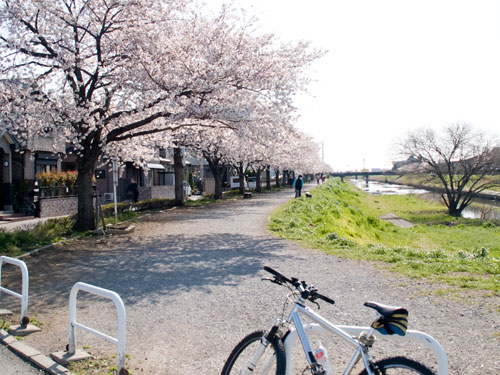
<point x="392" y="66"/>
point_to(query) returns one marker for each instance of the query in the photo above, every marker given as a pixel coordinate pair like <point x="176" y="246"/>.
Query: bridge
<point x="365" y="174"/>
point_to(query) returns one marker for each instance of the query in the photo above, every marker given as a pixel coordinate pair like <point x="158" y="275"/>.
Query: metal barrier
<point x="416" y="336"/>
<point x="25" y="285"/>
<point x="120" y="341"/>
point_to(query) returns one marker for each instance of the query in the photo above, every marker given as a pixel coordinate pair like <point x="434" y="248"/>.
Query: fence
<point x="120" y="341"/>
<point x="25" y="285"/>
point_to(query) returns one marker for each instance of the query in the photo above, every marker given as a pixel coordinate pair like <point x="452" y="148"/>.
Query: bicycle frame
<point x="294" y="316"/>
<point x="324" y="326"/>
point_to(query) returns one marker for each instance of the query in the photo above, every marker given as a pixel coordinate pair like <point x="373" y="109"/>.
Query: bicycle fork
<point x="264" y="343"/>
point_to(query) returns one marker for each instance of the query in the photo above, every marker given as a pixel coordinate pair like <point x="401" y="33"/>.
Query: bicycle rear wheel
<point x="399" y="366"/>
<point x="244" y="359"/>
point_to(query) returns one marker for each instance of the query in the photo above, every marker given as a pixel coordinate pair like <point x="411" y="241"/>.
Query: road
<point x="11" y="364"/>
<point x="191" y="283"/>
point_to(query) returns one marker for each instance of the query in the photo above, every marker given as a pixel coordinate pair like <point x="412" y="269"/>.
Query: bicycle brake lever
<point x="273" y="280"/>
<point x="316" y="303"/>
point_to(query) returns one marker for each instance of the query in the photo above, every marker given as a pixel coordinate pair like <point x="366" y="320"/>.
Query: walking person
<point x="133" y="191"/>
<point x="299" y="183"/>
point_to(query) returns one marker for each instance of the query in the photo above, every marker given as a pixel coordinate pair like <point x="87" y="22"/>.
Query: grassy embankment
<point x="343" y="221"/>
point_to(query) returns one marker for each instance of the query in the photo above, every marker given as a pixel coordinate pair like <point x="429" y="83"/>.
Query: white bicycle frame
<point x="323" y="326"/>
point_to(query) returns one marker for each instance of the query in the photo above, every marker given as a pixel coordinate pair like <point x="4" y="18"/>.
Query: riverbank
<point x="478" y="209"/>
<point x="343" y="221"/>
<point x="490" y="195"/>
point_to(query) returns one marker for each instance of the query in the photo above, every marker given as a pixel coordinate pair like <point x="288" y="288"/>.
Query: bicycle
<point x="270" y="352"/>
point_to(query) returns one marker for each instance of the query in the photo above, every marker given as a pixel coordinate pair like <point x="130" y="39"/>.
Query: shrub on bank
<point x="15" y="243"/>
<point x="149" y="204"/>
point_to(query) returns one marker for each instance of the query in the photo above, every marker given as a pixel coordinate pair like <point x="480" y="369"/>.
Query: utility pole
<point x="115" y="184"/>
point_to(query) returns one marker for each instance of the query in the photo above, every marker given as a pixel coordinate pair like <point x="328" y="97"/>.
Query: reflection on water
<point x="484" y="209"/>
<point x="380" y="188"/>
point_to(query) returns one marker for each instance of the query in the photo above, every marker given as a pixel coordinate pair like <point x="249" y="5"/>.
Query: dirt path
<point x="190" y="281"/>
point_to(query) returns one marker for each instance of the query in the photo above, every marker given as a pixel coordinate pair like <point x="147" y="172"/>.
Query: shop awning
<point x="155" y="166"/>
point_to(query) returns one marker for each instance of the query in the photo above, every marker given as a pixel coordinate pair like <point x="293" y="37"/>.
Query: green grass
<point x="16" y="243"/>
<point x="343" y="221"/>
<point x="99" y="366"/>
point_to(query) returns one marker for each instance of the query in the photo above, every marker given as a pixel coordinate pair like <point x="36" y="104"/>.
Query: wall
<point x="51" y="207"/>
<point x="209" y="187"/>
<point x="155" y="192"/>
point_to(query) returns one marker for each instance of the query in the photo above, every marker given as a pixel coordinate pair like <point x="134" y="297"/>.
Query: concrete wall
<point x="209" y="187"/>
<point x="156" y="192"/>
<point x="51" y="207"/>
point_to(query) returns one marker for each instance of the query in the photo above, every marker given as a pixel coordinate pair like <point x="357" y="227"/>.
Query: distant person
<point x="299" y="183"/>
<point x="133" y="191"/>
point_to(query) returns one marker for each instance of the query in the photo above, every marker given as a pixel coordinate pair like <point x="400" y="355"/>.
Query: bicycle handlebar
<point x="278" y="275"/>
<point x="305" y="291"/>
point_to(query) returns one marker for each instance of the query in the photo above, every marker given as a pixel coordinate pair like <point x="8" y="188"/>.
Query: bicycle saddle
<point x="386" y="310"/>
<point x="394" y="320"/>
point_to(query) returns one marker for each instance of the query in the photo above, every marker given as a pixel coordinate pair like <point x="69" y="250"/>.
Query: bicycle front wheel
<point x="251" y="356"/>
<point x="399" y="366"/>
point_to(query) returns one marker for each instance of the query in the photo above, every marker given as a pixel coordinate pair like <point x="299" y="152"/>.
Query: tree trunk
<point x="277" y="172"/>
<point x="268" y="178"/>
<point x="241" y="175"/>
<point x="178" y="169"/>
<point x="455" y="212"/>
<point x="258" y="181"/>
<point x="216" y="169"/>
<point x="85" y="218"/>
<point x="451" y="200"/>
<point x="454" y="207"/>
<point x="217" y="172"/>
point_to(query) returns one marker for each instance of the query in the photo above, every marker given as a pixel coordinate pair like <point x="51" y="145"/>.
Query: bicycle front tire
<point x="271" y="362"/>
<point x="399" y="366"/>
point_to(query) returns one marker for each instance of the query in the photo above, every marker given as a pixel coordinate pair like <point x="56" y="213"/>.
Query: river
<point x="481" y="209"/>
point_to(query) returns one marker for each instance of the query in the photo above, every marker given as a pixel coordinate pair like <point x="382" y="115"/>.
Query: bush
<point x="51" y="179"/>
<point x="149" y="204"/>
<point x="15" y="243"/>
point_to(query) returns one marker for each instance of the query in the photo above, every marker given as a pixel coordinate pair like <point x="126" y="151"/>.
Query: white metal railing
<point x="120" y="341"/>
<point x="416" y="336"/>
<point x="25" y="285"/>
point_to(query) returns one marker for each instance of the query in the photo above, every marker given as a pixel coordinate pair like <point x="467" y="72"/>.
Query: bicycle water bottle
<point x="322" y="358"/>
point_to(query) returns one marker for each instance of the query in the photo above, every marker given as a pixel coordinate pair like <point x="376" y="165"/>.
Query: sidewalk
<point x="19" y="358"/>
<point x="11" y="226"/>
<point x="11" y="364"/>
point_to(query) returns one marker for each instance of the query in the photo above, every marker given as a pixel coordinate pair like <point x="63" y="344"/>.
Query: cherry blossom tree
<point x="111" y="76"/>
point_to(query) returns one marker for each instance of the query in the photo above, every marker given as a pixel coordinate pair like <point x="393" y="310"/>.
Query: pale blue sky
<point x="392" y="65"/>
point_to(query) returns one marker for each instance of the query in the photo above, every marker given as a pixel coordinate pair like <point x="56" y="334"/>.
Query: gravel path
<point x="190" y="281"/>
